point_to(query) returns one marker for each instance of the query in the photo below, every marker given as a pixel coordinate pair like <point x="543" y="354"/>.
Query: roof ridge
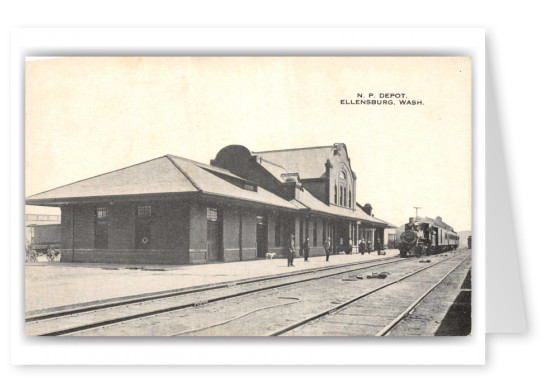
<point x="169" y="155"/>
<point x="295" y="149"/>
<point x="188" y="177"/>
<point x="97" y="176"/>
<point x="275" y="164"/>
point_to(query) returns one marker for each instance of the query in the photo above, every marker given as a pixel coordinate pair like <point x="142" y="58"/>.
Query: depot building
<point x="241" y="206"/>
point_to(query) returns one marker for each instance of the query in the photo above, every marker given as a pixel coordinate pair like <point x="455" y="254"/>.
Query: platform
<point x="54" y="284"/>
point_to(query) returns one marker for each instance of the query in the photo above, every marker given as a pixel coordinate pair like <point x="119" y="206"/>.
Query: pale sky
<point x="88" y="116"/>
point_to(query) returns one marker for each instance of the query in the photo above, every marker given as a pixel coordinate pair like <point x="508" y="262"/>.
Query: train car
<point x="45" y="236"/>
<point x="425" y="236"/>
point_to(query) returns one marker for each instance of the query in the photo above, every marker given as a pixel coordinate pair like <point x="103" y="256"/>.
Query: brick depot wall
<point x="198" y="233"/>
<point x="172" y="240"/>
<point x="243" y="247"/>
<point x="318" y="249"/>
<point x="280" y="250"/>
<point x="121" y="229"/>
<point x="271" y="216"/>
<point x="231" y="235"/>
<point x="132" y="256"/>
<point x="318" y="188"/>
<point x="83" y="232"/>
<point x="169" y="230"/>
<point x="66" y="234"/>
<point x="248" y="250"/>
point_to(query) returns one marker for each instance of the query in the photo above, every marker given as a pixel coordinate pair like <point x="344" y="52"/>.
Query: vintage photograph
<point x="248" y="196"/>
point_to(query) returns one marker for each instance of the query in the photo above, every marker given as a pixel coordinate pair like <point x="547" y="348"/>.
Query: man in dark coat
<point x="362" y="246"/>
<point x="306" y="249"/>
<point x="291" y="251"/>
<point x="327" y="247"/>
<point x="378" y="246"/>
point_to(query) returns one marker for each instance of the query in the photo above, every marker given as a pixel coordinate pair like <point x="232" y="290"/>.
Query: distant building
<point x="243" y="205"/>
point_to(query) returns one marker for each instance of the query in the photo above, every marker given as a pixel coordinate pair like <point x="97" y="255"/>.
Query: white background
<point x="517" y="50"/>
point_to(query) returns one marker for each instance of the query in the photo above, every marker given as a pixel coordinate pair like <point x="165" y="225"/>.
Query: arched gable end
<point x="341" y="178"/>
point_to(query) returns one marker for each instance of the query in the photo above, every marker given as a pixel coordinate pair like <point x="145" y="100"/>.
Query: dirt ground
<point x="54" y="284"/>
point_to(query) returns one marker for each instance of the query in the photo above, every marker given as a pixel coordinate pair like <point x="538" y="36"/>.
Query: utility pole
<point x="416" y="209"/>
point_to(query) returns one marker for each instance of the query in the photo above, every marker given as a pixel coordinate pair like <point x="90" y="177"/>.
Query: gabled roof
<point x="165" y="175"/>
<point x="308" y="162"/>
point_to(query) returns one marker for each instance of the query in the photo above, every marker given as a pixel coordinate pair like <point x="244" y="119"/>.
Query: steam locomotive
<point x="425" y="236"/>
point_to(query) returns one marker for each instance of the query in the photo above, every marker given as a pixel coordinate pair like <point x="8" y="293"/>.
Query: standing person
<point x="362" y="246"/>
<point x="378" y="246"/>
<point x="291" y="251"/>
<point x="327" y="247"/>
<point x="306" y="249"/>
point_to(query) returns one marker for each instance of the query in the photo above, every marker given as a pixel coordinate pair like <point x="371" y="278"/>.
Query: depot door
<point x="213" y="235"/>
<point x="261" y="236"/>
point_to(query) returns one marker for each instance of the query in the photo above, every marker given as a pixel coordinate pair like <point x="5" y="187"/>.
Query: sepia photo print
<point x="248" y="196"/>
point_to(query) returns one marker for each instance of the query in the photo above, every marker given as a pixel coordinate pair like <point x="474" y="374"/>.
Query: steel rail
<point x="186" y="291"/>
<point x="366" y="265"/>
<point x="399" y="318"/>
<point x="342" y="305"/>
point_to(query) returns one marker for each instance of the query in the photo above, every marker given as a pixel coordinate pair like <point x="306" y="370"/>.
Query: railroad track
<point x="384" y="330"/>
<point x="163" y="309"/>
<point x="74" y="320"/>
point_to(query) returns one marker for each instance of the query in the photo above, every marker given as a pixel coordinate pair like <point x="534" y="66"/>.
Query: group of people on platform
<point x="363" y="246"/>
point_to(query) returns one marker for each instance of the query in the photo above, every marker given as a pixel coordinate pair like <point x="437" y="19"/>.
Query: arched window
<point x="345" y="196"/>
<point x="345" y="189"/>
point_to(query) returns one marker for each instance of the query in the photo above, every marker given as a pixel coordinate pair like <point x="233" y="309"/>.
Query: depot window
<point x="144" y="211"/>
<point x="212" y="214"/>
<point x="101" y="227"/>
<point x="101" y="212"/>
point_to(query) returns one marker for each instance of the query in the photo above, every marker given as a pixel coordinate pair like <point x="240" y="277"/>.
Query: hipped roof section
<point x="173" y="175"/>
<point x="164" y="175"/>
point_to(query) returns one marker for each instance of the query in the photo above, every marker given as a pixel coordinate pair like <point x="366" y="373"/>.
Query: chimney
<point x="368" y="209"/>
